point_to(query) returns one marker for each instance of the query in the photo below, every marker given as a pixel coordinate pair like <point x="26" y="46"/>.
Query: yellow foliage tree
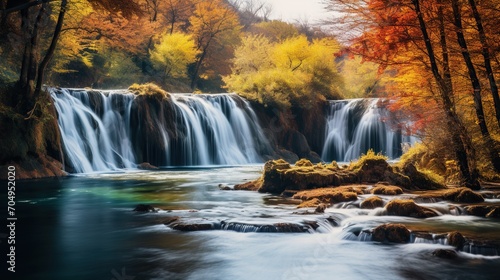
<point x="293" y="72"/>
<point x="173" y="53"/>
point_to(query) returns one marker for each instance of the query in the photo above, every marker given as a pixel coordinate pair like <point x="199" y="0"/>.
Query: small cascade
<point x="278" y="227"/>
<point x="111" y="130"/>
<point x="357" y="125"/>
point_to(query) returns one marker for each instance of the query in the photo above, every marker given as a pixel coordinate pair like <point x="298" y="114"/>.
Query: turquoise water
<point x="83" y="227"/>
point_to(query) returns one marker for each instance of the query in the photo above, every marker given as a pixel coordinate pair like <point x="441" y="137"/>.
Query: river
<point x="83" y="227"/>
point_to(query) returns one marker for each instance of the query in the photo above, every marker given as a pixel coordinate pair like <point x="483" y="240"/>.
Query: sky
<point x="292" y="10"/>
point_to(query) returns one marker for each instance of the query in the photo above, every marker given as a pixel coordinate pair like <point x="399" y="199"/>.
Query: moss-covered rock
<point x="149" y="89"/>
<point x="408" y="208"/>
<point x="460" y="195"/>
<point x="249" y="186"/>
<point x="393" y="233"/>
<point x="303" y="162"/>
<point x="279" y="175"/>
<point x="329" y="195"/>
<point x="372" y="202"/>
<point x="386" y="190"/>
<point x="310" y="203"/>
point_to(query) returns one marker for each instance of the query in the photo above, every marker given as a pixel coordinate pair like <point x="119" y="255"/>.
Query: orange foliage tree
<point x="427" y="51"/>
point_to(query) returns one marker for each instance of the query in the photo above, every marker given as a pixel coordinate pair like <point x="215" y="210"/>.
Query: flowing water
<point x="83" y="227"/>
<point x="357" y="125"/>
<point x="110" y="130"/>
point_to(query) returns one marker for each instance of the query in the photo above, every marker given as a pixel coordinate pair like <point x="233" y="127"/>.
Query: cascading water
<point x="110" y="130"/>
<point x="357" y="125"/>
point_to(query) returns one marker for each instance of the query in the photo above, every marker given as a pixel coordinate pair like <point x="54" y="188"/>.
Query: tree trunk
<point x="51" y="49"/>
<point x="464" y="151"/>
<point x="476" y="85"/>
<point x="487" y="59"/>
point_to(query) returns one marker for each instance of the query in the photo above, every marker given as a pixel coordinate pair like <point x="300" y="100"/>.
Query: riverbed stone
<point x="147" y="166"/>
<point x="329" y="195"/>
<point x="456" y="239"/>
<point x="310" y="203"/>
<point x="445" y="254"/>
<point x="145" y="208"/>
<point x="386" y="189"/>
<point x="408" y="208"/>
<point x="372" y="202"/>
<point x="393" y="233"/>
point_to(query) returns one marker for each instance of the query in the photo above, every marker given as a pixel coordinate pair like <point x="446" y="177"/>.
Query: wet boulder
<point x="147" y="166"/>
<point x="189" y="225"/>
<point x="408" y="208"/>
<point x="393" y="233"/>
<point x="145" y="208"/>
<point x="386" y="189"/>
<point x="372" y="202"/>
<point x="445" y="254"/>
<point x="249" y="186"/>
<point x="310" y="203"/>
<point x="456" y="239"/>
<point x="329" y="195"/>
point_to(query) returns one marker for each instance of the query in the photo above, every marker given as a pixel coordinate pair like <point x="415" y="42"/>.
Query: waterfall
<point x="357" y="125"/>
<point x="111" y="130"/>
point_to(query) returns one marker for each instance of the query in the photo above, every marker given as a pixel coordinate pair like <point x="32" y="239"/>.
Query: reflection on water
<point x="83" y="228"/>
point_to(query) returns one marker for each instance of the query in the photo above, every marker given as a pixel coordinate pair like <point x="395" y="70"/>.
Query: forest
<point x="206" y="139"/>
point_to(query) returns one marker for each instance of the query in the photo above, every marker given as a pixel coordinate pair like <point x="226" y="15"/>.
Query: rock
<point x="419" y="180"/>
<point x="277" y="227"/>
<point x="468" y="196"/>
<point x="310" y="203"/>
<point x="191" y="227"/>
<point x="408" y="208"/>
<point x="394" y="233"/>
<point x="321" y="208"/>
<point x="460" y="195"/>
<point x="478" y="210"/>
<point x="147" y="166"/>
<point x="170" y="220"/>
<point x="303" y="162"/>
<point x="445" y="254"/>
<point x="329" y="195"/>
<point x="456" y="239"/>
<point x="372" y="202"/>
<point x="249" y="186"/>
<point x="286" y="155"/>
<point x="145" y="208"/>
<point x="371" y="170"/>
<point x="386" y="190"/>
<point x="224" y="187"/>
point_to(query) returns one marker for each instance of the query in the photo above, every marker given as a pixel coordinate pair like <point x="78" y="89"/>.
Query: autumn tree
<point x="25" y="109"/>
<point x="215" y="29"/>
<point x="415" y="39"/>
<point x="173" y="53"/>
<point x="293" y="72"/>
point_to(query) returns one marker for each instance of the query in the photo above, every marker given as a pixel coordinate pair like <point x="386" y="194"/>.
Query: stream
<point x="83" y="227"/>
